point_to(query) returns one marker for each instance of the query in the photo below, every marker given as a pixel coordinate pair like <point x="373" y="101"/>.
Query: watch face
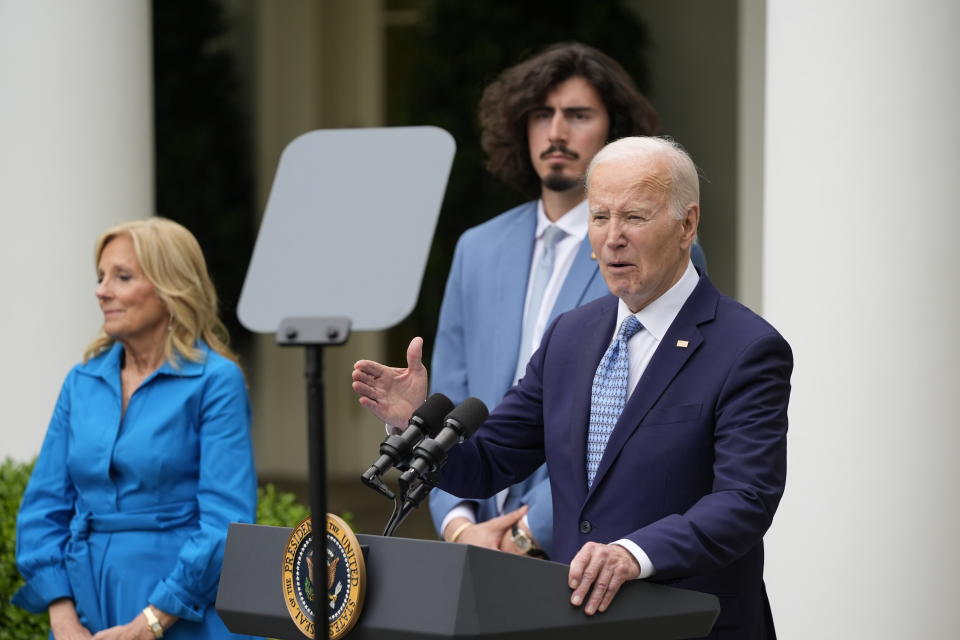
<point x="522" y="540"/>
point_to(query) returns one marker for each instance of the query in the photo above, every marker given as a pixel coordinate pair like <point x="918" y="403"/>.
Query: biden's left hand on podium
<point x="605" y="567"/>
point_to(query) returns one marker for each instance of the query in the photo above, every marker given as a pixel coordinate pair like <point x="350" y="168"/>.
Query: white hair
<point x="685" y="181"/>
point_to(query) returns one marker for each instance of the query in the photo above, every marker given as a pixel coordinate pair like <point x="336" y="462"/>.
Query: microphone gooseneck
<point x="428" y="456"/>
<point x="431" y="453"/>
<point x="396" y="449"/>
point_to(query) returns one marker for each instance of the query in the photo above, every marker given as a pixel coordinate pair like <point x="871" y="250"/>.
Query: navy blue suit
<point x="695" y="467"/>
<point x="478" y="338"/>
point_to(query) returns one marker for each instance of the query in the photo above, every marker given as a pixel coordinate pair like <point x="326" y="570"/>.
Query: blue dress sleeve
<point x="226" y="493"/>
<point x="43" y="523"/>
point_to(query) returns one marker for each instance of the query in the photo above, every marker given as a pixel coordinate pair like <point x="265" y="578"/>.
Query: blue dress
<point x="126" y="509"/>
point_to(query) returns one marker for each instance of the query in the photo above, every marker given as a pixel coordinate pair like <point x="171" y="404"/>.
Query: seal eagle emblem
<point x="346" y="578"/>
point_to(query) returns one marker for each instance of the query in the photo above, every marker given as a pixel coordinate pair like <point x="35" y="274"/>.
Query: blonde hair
<point x="172" y="261"/>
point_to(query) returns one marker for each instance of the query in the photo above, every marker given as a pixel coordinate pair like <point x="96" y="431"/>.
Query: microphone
<point x="396" y="449"/>
<point x="431" y="453"/>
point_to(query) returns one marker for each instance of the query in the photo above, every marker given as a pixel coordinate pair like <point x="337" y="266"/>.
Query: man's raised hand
<point x="392" y="393"/>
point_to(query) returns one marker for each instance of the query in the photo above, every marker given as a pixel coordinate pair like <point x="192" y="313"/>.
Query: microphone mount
<point x="397" y="448"/>
<point x="429" y="456"/>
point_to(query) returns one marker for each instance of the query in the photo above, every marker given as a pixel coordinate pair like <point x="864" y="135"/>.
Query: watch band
<point x="152" y="622"/>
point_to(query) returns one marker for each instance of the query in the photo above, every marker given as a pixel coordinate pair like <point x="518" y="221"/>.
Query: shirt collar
<point x="574" y="222"/>
<point x="107" y="364"/>
<point x="657" y="316"/>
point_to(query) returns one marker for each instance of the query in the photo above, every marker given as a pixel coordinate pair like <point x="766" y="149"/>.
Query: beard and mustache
<point x="556" y="180"/>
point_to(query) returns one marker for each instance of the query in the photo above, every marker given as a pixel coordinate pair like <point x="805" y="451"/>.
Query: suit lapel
<point x="581" y="274"/>
<point x="666" y="363"/>
<point x="595" y="343"/>
<point x="513" y="253"/>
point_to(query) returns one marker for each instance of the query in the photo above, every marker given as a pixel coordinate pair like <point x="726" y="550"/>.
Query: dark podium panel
<point x="420" y="589"/>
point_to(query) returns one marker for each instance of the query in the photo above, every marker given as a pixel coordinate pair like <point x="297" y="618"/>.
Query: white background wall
<point x="860" y="259"/>
<point x="76" y="157"/>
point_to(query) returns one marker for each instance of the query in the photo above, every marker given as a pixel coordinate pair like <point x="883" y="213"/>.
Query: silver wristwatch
<point x="525" y="543"/>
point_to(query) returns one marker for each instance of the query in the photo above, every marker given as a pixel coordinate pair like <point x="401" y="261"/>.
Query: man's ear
<point x="689" y="225"/>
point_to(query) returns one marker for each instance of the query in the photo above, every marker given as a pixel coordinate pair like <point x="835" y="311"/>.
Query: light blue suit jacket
<point x="478" y="337"/>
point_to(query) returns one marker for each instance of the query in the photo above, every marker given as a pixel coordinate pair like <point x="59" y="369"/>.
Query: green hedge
<point x="279" y="508"/>
<point x="15" y="623"/>
<point x="276" y="508"/>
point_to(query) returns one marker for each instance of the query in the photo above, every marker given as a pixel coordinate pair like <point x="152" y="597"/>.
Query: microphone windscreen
<point x="432" y="412"/>
<point x="470" y="414"/>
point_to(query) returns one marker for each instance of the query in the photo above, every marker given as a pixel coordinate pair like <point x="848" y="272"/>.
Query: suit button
<point x="586" y="527"/>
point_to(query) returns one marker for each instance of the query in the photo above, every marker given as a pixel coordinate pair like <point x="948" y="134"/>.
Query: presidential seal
<point x="346" y="578"/>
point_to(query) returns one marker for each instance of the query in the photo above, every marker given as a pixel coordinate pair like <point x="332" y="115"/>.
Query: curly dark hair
<point x="510" y="98"/>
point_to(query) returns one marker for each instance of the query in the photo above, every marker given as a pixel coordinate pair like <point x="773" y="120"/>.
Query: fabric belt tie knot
<point x="608" y="394"/>
<point x="79" y="560"/>
<point x="80" y="526"/>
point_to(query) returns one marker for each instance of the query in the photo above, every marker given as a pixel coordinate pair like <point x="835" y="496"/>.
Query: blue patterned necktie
<point x="609" y="394"/>
<point x="538" y="287"/>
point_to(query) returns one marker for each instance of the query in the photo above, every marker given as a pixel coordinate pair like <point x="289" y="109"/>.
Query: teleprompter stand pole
<point x="317" y="457"/>
<point x="313" y="334"/>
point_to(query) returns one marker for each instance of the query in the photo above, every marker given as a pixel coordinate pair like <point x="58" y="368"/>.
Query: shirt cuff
<point x="44" y="586"/>
<point x="646" y="567"/>
<point x="169" y="599"/>
<point x="461" y="510"/>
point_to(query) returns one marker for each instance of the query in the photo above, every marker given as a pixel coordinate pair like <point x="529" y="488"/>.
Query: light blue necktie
<point x="541" y="277"/>
<point x="609" y="394"/>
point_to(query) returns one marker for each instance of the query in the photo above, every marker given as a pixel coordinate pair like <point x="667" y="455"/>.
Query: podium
<point x="421" y="589"/>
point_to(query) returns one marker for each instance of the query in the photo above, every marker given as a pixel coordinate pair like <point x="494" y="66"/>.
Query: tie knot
<point x="553" y="235"/>
<point x="629" y="327"/>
